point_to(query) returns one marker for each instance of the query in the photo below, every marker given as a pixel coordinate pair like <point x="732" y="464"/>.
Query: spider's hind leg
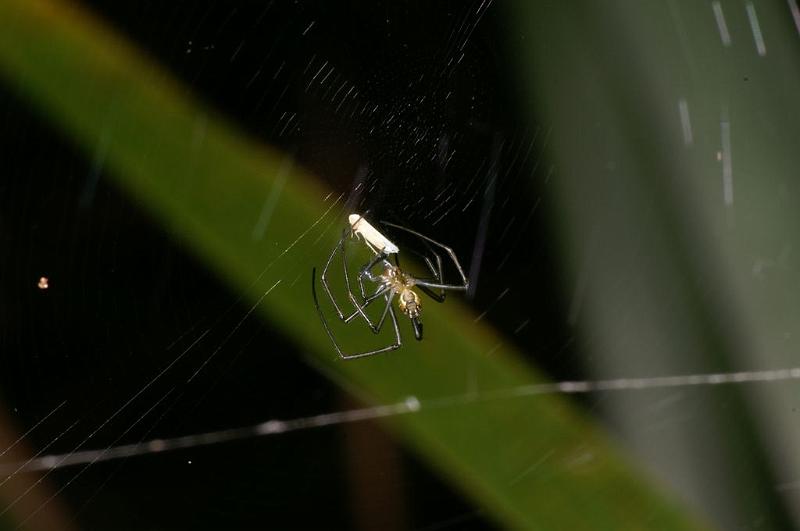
<point x="438" y="282"/>
<point x="437" y="276"/>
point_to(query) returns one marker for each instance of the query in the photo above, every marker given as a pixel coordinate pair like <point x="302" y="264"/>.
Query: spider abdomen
<point x="409" y="303"/>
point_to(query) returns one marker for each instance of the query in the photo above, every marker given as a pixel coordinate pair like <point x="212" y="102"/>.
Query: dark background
<point x="441" y="143"/>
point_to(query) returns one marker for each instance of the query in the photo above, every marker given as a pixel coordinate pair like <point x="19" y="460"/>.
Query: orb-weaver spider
<point x="391" y="282"/>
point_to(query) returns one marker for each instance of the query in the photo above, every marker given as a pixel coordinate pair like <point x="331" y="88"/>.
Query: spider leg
<point x="386" y="310"/>
<point x="324" y="274"/>
<point x="365" y="271"/>
<point x="438" y="297"/>
<point x="326" y="286"/>
<point x="389" y="309"/>
<point x="437" y="276"/>
<point x="361" y="307"/>
<point x="394" y="346"/>
<point x="439" y="284"/>
<point x="434" y="285"/>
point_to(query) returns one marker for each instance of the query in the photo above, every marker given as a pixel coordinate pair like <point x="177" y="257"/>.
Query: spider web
<point x="122" y="356"/>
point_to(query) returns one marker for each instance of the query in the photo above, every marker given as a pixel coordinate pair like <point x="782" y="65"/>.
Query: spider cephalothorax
<point x="391" y="282"/>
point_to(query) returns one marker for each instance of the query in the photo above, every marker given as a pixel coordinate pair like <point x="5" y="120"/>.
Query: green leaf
<point x="532" y="461"/>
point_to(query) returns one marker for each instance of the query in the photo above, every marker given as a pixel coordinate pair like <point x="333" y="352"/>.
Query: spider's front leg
<point x="366" y="272"/>
<point x="366" y="300"/>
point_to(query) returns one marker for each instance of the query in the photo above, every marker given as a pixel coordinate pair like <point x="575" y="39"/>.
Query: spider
<point x="391" y="282"/>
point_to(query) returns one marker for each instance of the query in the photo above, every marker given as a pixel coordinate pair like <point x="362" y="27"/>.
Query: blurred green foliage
<point x="674" y="128"/>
